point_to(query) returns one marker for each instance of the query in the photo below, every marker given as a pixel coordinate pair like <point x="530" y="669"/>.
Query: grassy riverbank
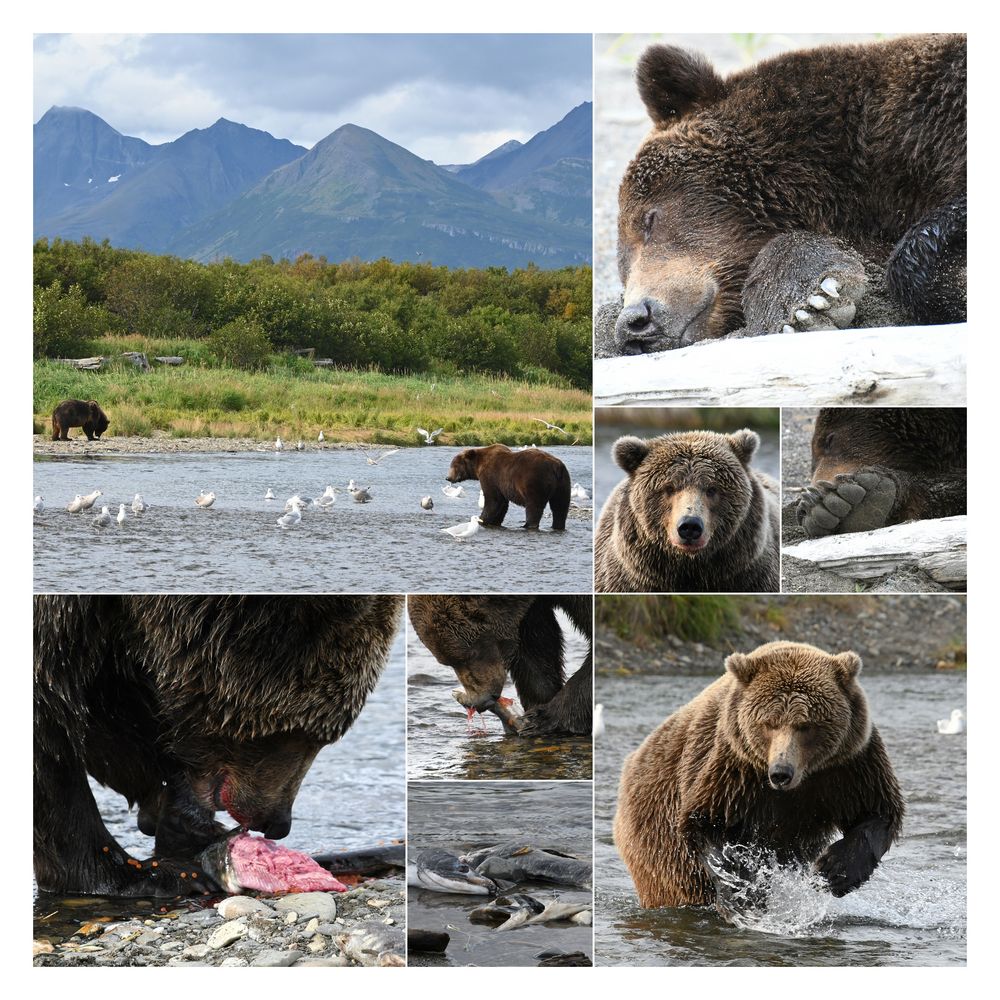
<point x="297" y="400"/>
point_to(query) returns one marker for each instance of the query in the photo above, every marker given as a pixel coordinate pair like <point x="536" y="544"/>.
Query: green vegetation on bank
<point x="529" y="325"/>
<point x="643" y="619"/>
<point x="294" y="399"/>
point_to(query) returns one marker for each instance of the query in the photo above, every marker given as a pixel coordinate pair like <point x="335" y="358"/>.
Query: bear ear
<point x="673" y="82"/>
<point x="629" y="453"/>
<point x="847" y="665"/>
<point x="744" y="444"/>
<point x="741" y="667"/>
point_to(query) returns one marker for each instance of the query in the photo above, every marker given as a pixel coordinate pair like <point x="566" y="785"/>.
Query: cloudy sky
<point x="448" y="98"/>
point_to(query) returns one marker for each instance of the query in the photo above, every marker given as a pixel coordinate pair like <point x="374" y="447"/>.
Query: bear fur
<point x="186" y="705"/>
<point x="843" y="162"/>
<point x="530" y="478"/>
<point x="484" y="638"/>
<point x="778" y="755"/>
<point x="872" y="467"/>
<point x="697" y="484"/>
<point x="79" y="413"/>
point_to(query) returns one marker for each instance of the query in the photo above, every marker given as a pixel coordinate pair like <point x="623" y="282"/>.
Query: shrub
<point x="241" y="343"/>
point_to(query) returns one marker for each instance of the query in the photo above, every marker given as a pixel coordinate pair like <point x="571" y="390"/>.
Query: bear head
<point x="689" y="491"/>
<point x="794" y="710"/>
<point x="696" y="205"/>
<point x="465" y="465"/>
<point x="99" y="422"/>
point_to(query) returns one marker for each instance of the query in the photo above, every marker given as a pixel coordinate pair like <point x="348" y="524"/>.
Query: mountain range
<point x="234" y="191"/>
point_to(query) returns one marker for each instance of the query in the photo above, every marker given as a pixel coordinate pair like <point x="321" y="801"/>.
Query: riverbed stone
<point x="272" y="958"/>
<point x="241" y="906"/>
<point x="309" y="904"/>
<point x="225" y="935"/>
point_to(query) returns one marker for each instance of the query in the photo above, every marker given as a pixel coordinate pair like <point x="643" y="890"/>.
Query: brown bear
<point x="778" y="756"/>
<point x="691" y="516"/>
<point x="877" y="466"/>
<point x="485" y="638"/>
<point x="774" y="199"/>
<point x="531" y="478"/>
<point x="187" y="705"/>
<point x="79" y="413"/>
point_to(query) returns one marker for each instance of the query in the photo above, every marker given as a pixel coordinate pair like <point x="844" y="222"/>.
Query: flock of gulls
<point x="295" y="505"/>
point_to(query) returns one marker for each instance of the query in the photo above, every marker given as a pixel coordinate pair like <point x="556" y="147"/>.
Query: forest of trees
<point x="401" y="318"/>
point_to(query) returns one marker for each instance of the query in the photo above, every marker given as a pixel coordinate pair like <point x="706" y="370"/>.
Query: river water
<point x="462" y="816"/>
<point x="911" y="912"/>
<point x="389" y="545"/>
<point x="442" y="743"/>
<point x="353" y="796"/>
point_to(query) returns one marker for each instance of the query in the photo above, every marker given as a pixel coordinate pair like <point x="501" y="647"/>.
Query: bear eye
<point x="711" y="493"/>
<point x="827" y="441"/>
<point x="648" y="221"/>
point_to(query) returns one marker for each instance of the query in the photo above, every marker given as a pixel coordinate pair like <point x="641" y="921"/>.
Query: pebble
<point x="234" y="963"/>
<point x="312" y="925"/>
<point x="312" y="904"/>
<point x="241" y="906"/>
<point x="318" y="943"/>
<point x="272" y="958"/>
<point x="227" y="934"/>
<point x="196" y="951"/>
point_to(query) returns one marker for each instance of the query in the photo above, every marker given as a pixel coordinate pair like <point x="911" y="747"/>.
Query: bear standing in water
<point x="187" y="705"/>
<point x="816" y="190"/>
<point x="778" y="755"/>
<point x="691" y="516"/>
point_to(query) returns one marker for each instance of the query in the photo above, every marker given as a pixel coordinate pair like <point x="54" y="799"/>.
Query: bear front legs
<point x="856" y="501"/>
<point x="570" y="711"/>
<point x="74" y="853"/>
<point x="849" y="862"/>
<point x="495" y="507"/>
<point x="182" y="826"/>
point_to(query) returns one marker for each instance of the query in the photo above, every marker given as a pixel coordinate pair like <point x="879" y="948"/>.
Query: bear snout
<point x="690" y="529"/>
<point x="781" y="776"/>
<point x="673" y="311"/>
<point x="277" y="825"/>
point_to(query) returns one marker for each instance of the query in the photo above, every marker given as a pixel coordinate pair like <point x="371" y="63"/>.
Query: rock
<point x="309" y="904"/>
<point x="225" y="935"/>
<point x="337" y="961"/>
<point x="233" y="963"/>
<point x="291" y="916"/>
<point x="318" y="943"/>
<point x="41" y="948"/>
<point x="195" y="951"/>
<point x="312" y="926"/>
<point x="171" y="945"/>
<point x="273" y="959"/>
<point x="241" y="906"/>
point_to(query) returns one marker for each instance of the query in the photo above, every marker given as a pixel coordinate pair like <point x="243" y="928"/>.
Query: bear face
<point x="99" y="422"/>
<point x="691" y="490"/>
<point x="795" y="710"/>
<point x="465" y="465"/>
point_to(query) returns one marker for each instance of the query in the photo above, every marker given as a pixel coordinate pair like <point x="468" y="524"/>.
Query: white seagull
<point x="429" y="436"/>
<point x="579" y="493"/>
<point x="598" y="720"/>
<point x="139" y="506"/>
<point x="204" y="499"/>
<point x="88" y="501"/>
<point x="427" y="503"/>
<point x="294" y="500"/>
<point x="39" y="505"/>
<point x="299" y="446"/>
<point x="463" y="531"/>
<point x="278" y="446"/>
<point x="290" y="519"/>
<point x="321" y="439"/>
<point x="953" y="725"/>
<point x="361" y="495"/>
<point x="121" y="514"/>
<point x="482" y="498"/>
<point x="75" y="505"/>
<point x="103" y="519"/>
<point x="378" y="458"/>
<point x="269" y="495"/>
<point x="453" y="492"/>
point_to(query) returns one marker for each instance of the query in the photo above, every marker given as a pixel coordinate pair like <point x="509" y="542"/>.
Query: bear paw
<point x="857" y="501"/>
<point x="831" y="304"/>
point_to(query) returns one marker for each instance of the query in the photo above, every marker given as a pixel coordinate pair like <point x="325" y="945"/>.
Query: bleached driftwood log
<point x="84" y="364"/>
<point x="904" y="366"/>
<point x="936" y="547"/>
<point x="138" y="358"/>
<point x="172" y="360"/>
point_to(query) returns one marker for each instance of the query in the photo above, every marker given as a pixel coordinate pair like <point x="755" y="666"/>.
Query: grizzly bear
<point x="877" y="466"/>
<point x="778" y="756"/>
<point x="530" y="478"/>
<point x="186" y="705"/>
<point x="486" y="638"/>
<point x="79" y="413"/>
<point x="773" y="200"/>
<point x="691" y="516"/>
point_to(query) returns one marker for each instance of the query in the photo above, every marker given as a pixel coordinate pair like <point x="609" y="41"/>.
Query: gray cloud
<point x="449" y="98"/>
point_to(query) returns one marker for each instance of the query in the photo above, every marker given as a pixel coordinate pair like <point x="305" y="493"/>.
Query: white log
<point x="85" y="364"/>
<point x="171" y="360"/>
<point x="937" y="547"/>
<point x="900" y="366"/>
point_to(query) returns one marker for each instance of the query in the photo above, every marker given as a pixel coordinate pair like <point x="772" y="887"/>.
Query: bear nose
<point x="780" y="775"/>
<point x="635" y="322"/>
<point x="690" y="528"/>
<point x="278" y="825"/>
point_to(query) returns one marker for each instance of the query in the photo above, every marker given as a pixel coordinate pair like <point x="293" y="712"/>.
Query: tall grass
<point x="300" y="401"/>
<point x="643" y="619"/>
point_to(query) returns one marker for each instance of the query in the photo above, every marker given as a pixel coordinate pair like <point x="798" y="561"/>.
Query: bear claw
<point x="859" y="501"/>
<point x="832" y="305"/>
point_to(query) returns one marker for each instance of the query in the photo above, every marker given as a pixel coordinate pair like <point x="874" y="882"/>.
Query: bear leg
<point x="184" y="828"/>
<point x="856" y="501"/>
<point x="570" y="711"/>
<point x="801" y="281"/>
<point x="495" y="508"/>
<point x="926" y="271"/>
<point x="849" y="862"/>
<point x="533" y="515"/>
